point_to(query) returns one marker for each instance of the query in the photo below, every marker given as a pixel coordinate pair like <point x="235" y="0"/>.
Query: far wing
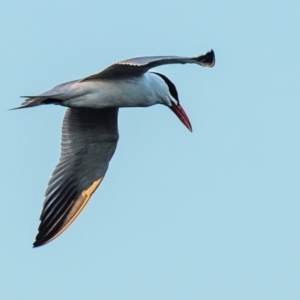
<point x="89" y="140"/>
<point x="140" y="65"/>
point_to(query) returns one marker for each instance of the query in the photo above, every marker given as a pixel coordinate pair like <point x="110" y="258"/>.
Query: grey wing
<point x="140" y="65"/>
<point x="89" y="140"/>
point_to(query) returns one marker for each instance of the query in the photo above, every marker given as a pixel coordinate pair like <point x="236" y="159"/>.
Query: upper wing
<point x="89" y="140"/>
<point x="140" y="65"/>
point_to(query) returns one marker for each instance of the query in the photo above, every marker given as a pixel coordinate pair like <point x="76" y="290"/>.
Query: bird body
<point x="90" y="129"/>
<point x="142" y="91"/>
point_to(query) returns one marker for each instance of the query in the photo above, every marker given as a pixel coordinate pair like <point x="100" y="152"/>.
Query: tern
<point x="90" y="129"/>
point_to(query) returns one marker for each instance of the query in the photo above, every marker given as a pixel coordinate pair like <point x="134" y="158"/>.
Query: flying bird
<point x="90" y="129"/>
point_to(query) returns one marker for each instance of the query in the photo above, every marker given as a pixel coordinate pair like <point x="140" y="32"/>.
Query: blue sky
<point x="212" y="214"/>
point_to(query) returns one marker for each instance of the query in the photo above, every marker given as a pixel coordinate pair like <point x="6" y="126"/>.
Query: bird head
<point x="172" y="102"/>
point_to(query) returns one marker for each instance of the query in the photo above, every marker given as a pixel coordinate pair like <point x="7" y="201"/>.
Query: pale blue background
<point x="208" y="215"/>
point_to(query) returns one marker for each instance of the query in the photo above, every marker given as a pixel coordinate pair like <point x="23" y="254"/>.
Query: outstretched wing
<point x="89" y="140"/>
<point x="140" y="65"/>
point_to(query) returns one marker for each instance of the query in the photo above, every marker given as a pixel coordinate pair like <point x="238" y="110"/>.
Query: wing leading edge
<point x="140" y="65"/>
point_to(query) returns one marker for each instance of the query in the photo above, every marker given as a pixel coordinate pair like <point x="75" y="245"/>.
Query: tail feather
<point x="36" y="101"/>
<point x="49" y="97"/>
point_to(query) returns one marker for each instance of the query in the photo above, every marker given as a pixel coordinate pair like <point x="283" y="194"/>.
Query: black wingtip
<point x="207" y="60"/>
<point x="40" y="240"/>
<point x="34" y="245"/>
<point x="38" y="243"/>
